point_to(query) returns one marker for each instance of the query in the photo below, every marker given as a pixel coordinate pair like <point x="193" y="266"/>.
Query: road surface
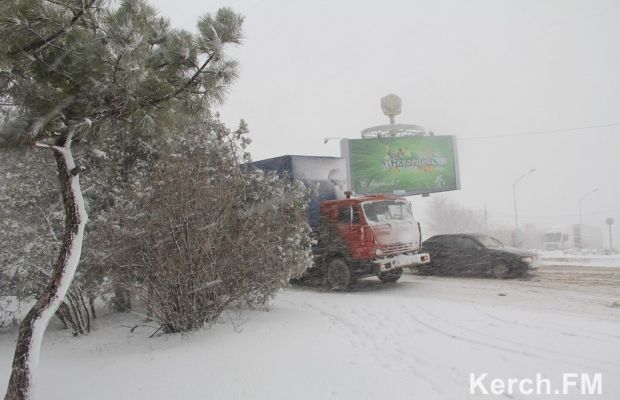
<point x="421" y="338"/>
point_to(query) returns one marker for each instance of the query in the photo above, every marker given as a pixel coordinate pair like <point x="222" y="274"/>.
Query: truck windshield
<point x="553" y="237"/>
<point x="383" y="211"/>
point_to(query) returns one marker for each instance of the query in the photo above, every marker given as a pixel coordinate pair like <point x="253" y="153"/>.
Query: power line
<point x="556" y="216"/>
<point x="546" y="131"/>
<point x="523" y="133"/>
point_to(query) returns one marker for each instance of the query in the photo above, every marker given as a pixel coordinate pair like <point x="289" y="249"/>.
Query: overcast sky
<point x="315" y="69"/>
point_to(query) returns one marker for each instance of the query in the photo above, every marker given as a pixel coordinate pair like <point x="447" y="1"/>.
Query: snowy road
<point x="418" y="339"/>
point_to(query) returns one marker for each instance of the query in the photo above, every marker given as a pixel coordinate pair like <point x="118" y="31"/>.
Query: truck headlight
<point x="379" y="252"/>
<point x="527" y="259"/>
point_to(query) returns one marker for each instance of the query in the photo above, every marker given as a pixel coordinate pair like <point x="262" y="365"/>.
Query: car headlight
<point x="527" y="259"/>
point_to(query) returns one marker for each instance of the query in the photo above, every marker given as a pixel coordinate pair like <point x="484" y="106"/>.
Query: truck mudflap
<point x="403" y="261"/>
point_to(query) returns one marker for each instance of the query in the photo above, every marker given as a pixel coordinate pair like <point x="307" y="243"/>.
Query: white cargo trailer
<point x="576" y="236"/>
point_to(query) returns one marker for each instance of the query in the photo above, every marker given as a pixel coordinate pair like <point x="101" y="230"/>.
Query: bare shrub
<point x="212" y="235"/>
<point x="75" y="312"/>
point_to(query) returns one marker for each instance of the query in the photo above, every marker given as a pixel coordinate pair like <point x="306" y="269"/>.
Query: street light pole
<point x="514" y="199"/>
<point x="580" y="200"/>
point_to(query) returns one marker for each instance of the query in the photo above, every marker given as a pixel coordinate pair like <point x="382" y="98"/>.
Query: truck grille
<point x="393" y="249"/>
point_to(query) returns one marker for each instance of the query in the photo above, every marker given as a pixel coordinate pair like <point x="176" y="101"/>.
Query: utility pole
<point x="579" y="239"/>
<point x="580" y="200"/>
<point x="486" y="219"/>
<point x="514" y="198"/>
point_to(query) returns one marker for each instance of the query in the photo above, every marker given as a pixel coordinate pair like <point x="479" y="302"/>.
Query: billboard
<point x="402" y="165"/>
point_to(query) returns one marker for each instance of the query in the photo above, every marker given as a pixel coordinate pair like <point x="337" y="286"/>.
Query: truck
<point x="573" y="236"/>
<point x="353" y="236"/>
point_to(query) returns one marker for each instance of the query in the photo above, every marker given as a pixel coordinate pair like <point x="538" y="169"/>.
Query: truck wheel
<point x="338" y="275"/>
<point x="391" y="276"/>
<point x="500" y="270"/>
<point x="310" y="277"/>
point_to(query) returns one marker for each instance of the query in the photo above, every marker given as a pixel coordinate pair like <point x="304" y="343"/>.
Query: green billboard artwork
<point x="402" y="165"/>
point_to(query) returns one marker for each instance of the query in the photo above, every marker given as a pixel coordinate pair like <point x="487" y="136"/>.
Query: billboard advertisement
<point x="401" y="165"/>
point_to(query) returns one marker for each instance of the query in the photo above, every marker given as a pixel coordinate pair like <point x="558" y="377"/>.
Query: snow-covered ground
<point x="578" y="260"/>
<point x="417" y="339"/>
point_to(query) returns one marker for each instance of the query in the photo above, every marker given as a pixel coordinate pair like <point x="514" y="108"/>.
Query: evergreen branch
<point x="50" y="43"/>
<point x="186" y="84"/>
<point x="59" y="4"/>
<point x="53" y="69"/>
<point x="165" y="64"/>
<point x="37" y="44"/>
<point x="116" y="68"/>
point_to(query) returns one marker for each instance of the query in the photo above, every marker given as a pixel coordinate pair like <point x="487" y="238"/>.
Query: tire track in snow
<point x="538" y="350"/>
<point x="378" y="350"/>
<point x="604" y="339"/>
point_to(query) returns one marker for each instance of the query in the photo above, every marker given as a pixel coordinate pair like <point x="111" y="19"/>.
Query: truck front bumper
<point x="402" y="261"/>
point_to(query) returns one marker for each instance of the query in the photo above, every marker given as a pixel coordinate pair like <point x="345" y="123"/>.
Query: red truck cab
<point x="366" y="236"/>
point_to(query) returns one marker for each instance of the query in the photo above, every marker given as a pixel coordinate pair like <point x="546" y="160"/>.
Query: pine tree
<point x="73" y="67"/>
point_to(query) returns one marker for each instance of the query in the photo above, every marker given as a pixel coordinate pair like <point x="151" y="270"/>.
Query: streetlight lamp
<point x="514" y="198"/>
<point x="580" y="200"/>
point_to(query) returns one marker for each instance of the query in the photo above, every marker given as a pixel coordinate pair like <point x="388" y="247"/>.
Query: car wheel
<point x="500" y="270"/>
<point x="426" y="270"/>
<point x="391" y="276"/>
<point x="338" y="275"/>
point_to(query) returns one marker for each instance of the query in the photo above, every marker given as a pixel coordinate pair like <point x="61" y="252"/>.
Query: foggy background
<point x="478" y="70"/>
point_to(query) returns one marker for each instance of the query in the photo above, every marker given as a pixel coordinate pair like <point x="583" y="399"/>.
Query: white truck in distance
<point x="576" y="236"/>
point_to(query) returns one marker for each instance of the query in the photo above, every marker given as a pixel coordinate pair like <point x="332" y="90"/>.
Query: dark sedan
<point x="475" y="255"/>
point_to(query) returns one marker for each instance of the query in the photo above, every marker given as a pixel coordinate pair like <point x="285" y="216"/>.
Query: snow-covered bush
<point x="30" y="227"/>
<point x="211" y="234"/>
<point x="31" y="224"/>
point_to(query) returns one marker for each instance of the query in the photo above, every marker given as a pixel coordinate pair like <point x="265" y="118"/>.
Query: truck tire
<point x="310" y="277"/>
<point x="391" y="276"/>
<point x="338" y="275"/>
<point x="500" y="270"/>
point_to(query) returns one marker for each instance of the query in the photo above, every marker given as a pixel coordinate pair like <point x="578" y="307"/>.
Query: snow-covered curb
<point x="581" y="261"/>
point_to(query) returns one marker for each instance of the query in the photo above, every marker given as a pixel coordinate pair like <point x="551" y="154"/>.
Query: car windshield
<point x="383" y="211"/>
<point x="488" y="241"/>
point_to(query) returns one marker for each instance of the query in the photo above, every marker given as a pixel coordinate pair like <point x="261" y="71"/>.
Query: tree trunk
<point x="91" y="303"/>
<point x="32" y="328"/>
